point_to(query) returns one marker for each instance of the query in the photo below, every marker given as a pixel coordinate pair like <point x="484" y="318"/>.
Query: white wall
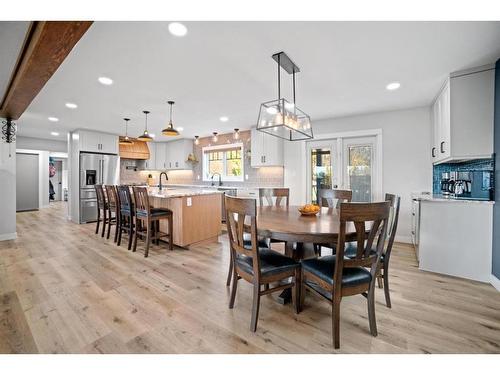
<point x="7" y="191"/>
<point x="407" y="165"/>
<point x="41" y="144"/>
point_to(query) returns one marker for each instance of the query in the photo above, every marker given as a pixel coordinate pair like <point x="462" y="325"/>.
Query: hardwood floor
<point x="65" y="290"/>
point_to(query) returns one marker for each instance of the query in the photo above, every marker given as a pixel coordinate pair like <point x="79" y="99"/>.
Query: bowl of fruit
<point x="309" y="209"/>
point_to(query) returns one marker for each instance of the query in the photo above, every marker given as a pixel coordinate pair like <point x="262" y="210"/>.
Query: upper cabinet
<point x="462" y="116"/>
<point x="172" y="155"/>
<point x="267" y="150"/>
<point x="98" y="142"/>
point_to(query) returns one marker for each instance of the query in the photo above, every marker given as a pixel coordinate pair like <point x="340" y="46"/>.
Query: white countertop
<point x="168" y="192"/>
<point x="440" y="198"/>
<point x="215" y="187"/>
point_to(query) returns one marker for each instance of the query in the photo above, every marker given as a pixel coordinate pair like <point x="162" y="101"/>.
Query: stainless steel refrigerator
<point x="95" y="169"/>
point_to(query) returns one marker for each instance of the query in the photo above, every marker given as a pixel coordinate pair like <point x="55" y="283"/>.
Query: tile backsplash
<point x="486" y="165"/>
<point x="257" y="177"/>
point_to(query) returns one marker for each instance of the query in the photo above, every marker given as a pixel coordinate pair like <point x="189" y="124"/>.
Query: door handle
<point x="442" y="147"/>
<point x="434" y="152"/>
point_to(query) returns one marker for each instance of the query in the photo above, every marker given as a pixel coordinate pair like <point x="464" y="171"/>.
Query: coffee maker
<point x="448" y="183"/>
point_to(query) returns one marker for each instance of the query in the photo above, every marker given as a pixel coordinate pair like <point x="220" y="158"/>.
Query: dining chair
<point x="326" y="197"/>
<point x="147" y="220"/>
<point x="331" y="198"/>
<point x="279" y="194"/>
<point x="258" y="266"/>
<point x="383" y="266"/>
<point x="335" y="276"/>
<point x="113" y="210"/>
<point x="126" y="224"/>
<point x="102" y="207"/>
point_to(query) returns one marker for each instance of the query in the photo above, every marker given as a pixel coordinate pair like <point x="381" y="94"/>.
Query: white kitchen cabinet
<point x="462" y="116"/>
<point x="177" y="154"/>
<point x="455" y="238"/>
<point x="98" y="142"/>
<point x="161" y="156"/>
<point x="151" y="162"/>
<point x="267" y="150"/>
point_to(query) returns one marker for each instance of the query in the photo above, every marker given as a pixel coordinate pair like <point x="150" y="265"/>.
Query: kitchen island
<point x="196" y="213"/>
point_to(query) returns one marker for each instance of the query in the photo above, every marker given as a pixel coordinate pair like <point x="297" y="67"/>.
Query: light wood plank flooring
<point x="65" y="290"/>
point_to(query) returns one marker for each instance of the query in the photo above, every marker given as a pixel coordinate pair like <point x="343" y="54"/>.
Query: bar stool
<point x="113" y="210"/>
<point x="102" y="206"/>
<point x="126" y="214"/>
<point x="151" y="216"/>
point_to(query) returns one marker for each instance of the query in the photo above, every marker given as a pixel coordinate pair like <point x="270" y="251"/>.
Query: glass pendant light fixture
<point x="145" y="137"/>
<point x="236" y="134"/>
<point x="215" y="138"/>
<point x="169" y="130"/>
<point x="126" y="140"/>
<point x="196" y="140"/>
<point x="280" y="117"/>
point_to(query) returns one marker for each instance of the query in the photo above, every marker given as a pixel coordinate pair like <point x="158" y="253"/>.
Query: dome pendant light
<point x="169" y="130"/>
<point x="145" y="137"/>
<point x="126" y="140"/>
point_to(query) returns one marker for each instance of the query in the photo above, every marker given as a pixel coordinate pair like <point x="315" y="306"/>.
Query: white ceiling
<point x="225" y="68"/>
<point x="12" y="35"/>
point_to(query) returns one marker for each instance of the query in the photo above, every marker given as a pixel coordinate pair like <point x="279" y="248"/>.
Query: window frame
<point x="205" y="159"/>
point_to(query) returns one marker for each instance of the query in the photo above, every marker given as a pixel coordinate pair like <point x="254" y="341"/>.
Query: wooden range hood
<point x="138" y="150"/>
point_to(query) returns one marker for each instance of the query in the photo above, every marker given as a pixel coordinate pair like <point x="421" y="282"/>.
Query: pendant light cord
<point x="171" y="125"/>
<point x="279" y="80"/>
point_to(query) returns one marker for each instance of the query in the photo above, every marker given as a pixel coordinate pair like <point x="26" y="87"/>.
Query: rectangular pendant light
<point x="280" y="117"/>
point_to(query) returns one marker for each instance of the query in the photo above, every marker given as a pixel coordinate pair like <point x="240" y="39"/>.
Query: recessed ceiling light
<point x="105" y="81"/>
<point x="55" y="134"/>
<point x="177" y="29"/>
<point x="180" y="128"/>
<point x="53" y="119"/>
<point x="393" y="86"/>
<point x="71" y="105"/>
<point x="224" y="118"/>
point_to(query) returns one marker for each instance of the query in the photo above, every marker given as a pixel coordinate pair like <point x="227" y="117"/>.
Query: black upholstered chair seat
<point x="352" y="248"/>
<point x="247" y="241"/>
<point x="160" y="212"/>
<point x="324" y="268"/>
<point x="271" y="263"/>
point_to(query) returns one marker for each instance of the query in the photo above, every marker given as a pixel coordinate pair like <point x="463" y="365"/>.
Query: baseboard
<point x="404" y="239"/>
<point x="8" y="236"/>
<point x="495" y="282"/>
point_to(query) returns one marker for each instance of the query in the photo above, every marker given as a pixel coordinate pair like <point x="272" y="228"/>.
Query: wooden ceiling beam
<point x="46" y="46"/>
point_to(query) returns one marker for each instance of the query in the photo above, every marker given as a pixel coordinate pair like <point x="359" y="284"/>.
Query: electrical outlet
<point x="246" y="177"/>
<point x="189" y="201"/>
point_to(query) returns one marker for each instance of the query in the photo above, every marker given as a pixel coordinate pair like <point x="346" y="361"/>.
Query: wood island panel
<point x="199" y="222"/>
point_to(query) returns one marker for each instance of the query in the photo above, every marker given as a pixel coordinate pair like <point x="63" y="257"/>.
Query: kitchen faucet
<point x="220" y="179"/>
<point x="159" y="184"/>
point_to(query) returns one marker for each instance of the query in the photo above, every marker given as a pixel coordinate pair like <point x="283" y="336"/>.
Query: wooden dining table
<point x="300" y="232"/>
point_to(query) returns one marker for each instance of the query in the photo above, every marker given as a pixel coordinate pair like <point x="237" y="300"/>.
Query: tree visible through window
<point x="227" y="162"/>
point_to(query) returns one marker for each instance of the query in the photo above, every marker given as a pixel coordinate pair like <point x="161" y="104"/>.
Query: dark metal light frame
<point x="281" y="118"/>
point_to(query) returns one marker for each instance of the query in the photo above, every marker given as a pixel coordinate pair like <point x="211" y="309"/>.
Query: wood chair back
<point x="111" y="197"/>
<point x="101" y="199"/>
<point x="360" y="214"/>
<point x="141" y="197"/>
<point x="279" y="194"/>
<point x="240" y="211"/>
<point x="326" y="197"/>
<point x="392" y="223"/>
<point x="125" y="199"/>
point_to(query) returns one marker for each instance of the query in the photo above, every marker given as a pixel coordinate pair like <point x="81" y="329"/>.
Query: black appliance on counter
<point x="468" y="184"/>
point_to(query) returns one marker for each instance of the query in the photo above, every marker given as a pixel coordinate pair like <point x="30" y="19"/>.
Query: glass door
<point x="321" y="167"/>
<point x="358" y="160"/>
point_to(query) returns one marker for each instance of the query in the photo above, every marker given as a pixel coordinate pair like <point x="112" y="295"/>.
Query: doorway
<point x="349" y="163"/>
<point x="56" y="180"/>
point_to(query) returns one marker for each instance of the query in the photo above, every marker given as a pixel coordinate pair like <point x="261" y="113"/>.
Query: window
<point x="226" y="160"/>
